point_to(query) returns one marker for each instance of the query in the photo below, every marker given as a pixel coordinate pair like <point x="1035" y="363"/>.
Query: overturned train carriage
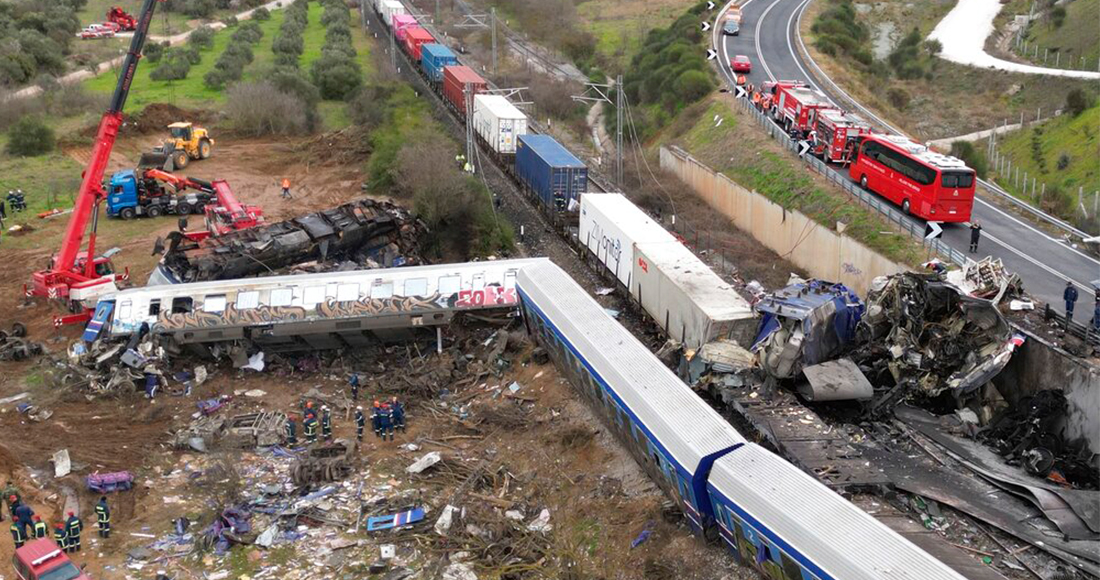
<point x="770" y="514"/>
<point x="376" y="230"/>
<point x="328" y="310"/>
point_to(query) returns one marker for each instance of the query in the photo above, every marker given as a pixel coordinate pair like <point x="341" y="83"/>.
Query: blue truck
<point x="152" y="192"/>
<point x="433" y="57"/>
<point x="550" y="172"/>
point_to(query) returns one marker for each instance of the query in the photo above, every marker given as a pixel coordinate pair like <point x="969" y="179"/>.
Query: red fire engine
<point x="796" y="107"/>
<point x="837" y="134"/>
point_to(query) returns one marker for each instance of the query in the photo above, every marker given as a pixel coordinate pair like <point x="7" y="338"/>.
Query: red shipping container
<point x="415" y="37"/>
<point x="455" y="79"/>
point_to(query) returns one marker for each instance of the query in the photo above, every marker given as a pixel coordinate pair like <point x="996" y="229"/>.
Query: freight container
<point x="610" y="225"/>
<point x="499" y="123"/>
<point x="401" y="22"/>
<point x="433" y="57"/>
<point x="389" y="8"/>
<point x="415" y="37"/>
<point x="455" y="79"/>
<point x="687" y="299"/>
<point x="549" y="170"/>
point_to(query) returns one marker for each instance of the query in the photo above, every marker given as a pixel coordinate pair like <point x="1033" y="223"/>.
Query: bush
<point x="202" y="37"/>
<point x="898" y="97"/>
<point x="837" y="31"/>
<point x="171" y="69"/>
<point x="1063" y="161"/>
<point x="30" y="137"/>
<point x="260" y="14"/>
<point x="199" y="8"/>
<point x="190" y="54"/>
<point x="230" y="21"/>
<point x="281" y="113"/>
<point x="1077" y="101"/>
<point x="1058" y="16"/>
<point x="337" y="77"/>
<point x="249" y="32"/>
<point x="693" y="85"/>
<point x="289" y="43"/>
<point x="154" y="51"/>
<point x="933" y="47"/>
<point x="974" y="159"/>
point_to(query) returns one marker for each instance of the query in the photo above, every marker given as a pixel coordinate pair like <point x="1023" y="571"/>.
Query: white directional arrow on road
<point x="933" y="231"/>
<point x="706" y="26"/>
<point x="712" y="54"/>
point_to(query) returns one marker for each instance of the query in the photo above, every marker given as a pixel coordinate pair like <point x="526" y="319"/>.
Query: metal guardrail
<point x="990" y="186"/>
<point x="868" y="199"/>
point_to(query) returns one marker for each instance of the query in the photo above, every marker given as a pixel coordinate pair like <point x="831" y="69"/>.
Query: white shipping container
<point x="610" y="225"/>
<point x="389" y="8"/>
<point x="687" y="298"/>
<point x="498" y="122"/>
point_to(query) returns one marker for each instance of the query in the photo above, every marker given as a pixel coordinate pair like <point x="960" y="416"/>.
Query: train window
<point x="347" y="292"/>
<point x="281" y="297"/>
<point x="124" y="310"/>
<point x="791" y="569"/>
<point x="313" y="295"/>
<point x="509" y="279"/>
<point x="182" y="305"/>
<point x="416" y="287"/>
<point x="478" y="282"/>
<point x="381" y="290"/>
<point x="449" y="285"/>
<point x="250" y="299"/>
<point x="214" y="303"/>
<point x="154" y="307"/>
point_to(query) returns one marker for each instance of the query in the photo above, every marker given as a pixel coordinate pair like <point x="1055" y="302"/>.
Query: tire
<point x="863" y="181"/>
<point x="183" y="209"/>
<point x="154" y="211"/>
<point x="180" y="159"/>
<point x="205" y="149"/>
<point x="127" y="213"/>
<point x="905" y="207"/>
<point x="18" y="329"/>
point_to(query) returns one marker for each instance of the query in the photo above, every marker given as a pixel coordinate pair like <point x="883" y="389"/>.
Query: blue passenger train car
<point x="553" y="174"/>
<point x="433" y="57"/>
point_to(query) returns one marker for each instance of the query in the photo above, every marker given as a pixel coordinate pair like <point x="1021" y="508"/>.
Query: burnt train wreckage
<point x="369" y="232"/>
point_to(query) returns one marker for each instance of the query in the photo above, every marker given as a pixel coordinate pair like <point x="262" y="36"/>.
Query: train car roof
<point x="499" y="106"/>
<point x="550" y="150"/>
<point x="680" y="421"/>
<point x="707" y="290"/>
<point x="835" y="538"/>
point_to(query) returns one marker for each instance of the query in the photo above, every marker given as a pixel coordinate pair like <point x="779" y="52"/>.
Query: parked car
<point x="96" y="31"/>
<point x="731" y="28"/>
<point x="741" y="64"/>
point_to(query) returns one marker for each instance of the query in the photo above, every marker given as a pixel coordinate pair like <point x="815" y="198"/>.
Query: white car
<point x="97" y="31"/>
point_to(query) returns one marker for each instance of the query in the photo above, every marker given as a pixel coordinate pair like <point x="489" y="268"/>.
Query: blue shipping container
<point x="550" y="170"/>
<point x="433" y="57"/>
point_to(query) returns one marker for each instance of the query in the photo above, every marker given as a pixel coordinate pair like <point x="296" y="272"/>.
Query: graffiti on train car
<point x="231" y="316"/>
<point x="377" y="306"/>
<point x="487" y="296"/>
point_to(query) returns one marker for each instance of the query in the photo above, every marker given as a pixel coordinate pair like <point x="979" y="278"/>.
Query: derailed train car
<point x="770" y="514"/>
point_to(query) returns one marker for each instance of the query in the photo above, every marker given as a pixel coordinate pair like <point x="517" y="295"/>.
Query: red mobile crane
<point x="81" y="277"/>
<point x="121" y="18"/>
<point x="228" y="214"/>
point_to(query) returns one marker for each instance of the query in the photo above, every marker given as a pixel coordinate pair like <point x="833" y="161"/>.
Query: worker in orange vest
<point x="286" y="188"/>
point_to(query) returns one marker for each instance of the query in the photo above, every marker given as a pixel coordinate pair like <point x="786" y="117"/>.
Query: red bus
<point x="924" y="183"/>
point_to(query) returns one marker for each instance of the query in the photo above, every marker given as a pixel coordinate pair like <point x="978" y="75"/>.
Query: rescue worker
<point x="1070" y="296"/>
<point x="291" y="431"/>
<point x="398" y="411"/>
<point x="376" y="419"/>
<point x="385" y="417"/>
<point x="308" y="410"/>
<point x="286" y="189"/>
<point x="40" y="528"/>
<point x="61" y="537"/>
<point x="310" y="425"/>
<point x="975" y="235"/>
<point x="103" y="517"/>
<point x="1096" y="317"/>
<point x="18" y="535"/>
<point x="9" y="491"/>
<point x="326" y="423"/>
<point x="360" y="423"/>
<point x="353" y="382"/>
<point x="73" y="527"/>
<point x="24" y="515"/>
<point x="151" y="383"/>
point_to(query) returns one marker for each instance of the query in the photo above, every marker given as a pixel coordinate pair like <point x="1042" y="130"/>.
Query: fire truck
<point x="796" y="107"/>
<point x="837" y="134"/>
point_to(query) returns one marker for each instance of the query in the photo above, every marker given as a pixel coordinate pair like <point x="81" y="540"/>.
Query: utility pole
<point x="493" y="16"/>
<point x="600" y="96"/>
<point x="483" y="21"/>
<point x="470" y="144"/>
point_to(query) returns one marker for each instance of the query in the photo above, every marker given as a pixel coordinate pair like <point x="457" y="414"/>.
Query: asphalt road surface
<point x="769" y="37"/>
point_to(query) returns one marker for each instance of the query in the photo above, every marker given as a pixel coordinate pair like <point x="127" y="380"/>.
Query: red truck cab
<point x="837" y="134"/>
<point x="41" y="559"/>
<point x="796" y="107"/>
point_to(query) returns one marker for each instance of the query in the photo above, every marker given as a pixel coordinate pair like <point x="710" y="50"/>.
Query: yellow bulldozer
<point x="187" y="142"/>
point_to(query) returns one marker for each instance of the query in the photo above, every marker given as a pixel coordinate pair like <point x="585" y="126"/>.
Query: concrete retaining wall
<point x="820" y="251"/>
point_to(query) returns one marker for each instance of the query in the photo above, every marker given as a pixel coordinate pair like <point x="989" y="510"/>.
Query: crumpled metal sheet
<point x="377" y="233"/>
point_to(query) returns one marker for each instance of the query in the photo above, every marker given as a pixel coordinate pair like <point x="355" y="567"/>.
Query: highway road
<point x="769" y="37"/>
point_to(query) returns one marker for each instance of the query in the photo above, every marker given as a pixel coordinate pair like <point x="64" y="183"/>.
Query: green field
<point x="1076" y="138"/>
<point x="1077" y="37"/>
<point x="192" y="93"/>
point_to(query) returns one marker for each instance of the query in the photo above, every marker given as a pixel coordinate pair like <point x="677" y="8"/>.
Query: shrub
<point x="190" y="54"/>
<point x="1063" y="161"/>
<point x="1058" y="16"/>
<point x="172" y="68"/>
<point x="199" y="8"/>
<point x="202" y="37"/>
<point x="898" y="97"/>
<point x="215" y="79"/>
<point x="966" y="151"/>
<point x="933" y="47"/>
<point x="336" y="77"/>
<point x="154" y="50"/>
<point x="281" y="113"/>
<point x="260" y="14"/>
<point x="249" y="32"/>
<point x="48" y="55"/>
<point x="1077" y="101"/>
<point x="30" y="137"/>
<point x="230" y="21"/>
<point x="289" y="43"/>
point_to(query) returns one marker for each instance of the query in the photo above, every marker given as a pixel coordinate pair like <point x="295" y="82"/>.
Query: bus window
<point x="214" y="304"/>
<point x="249" y="299"/>
<point x="281" y="297"/>
<point x="959" y="180"/>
